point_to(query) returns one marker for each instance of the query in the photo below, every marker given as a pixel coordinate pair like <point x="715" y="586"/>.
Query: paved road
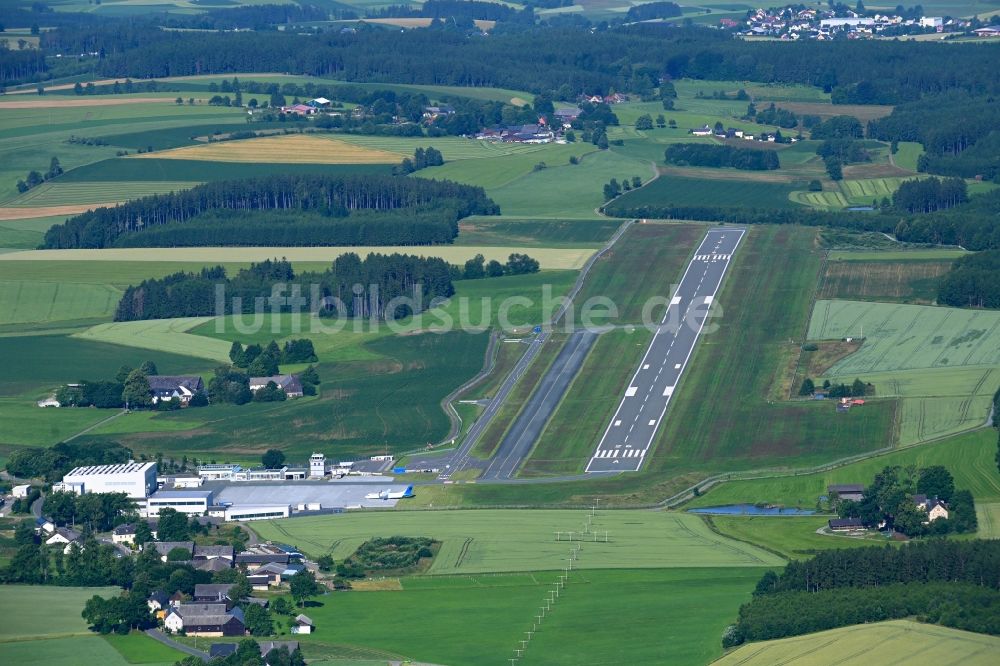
<point x="460" y="459"/>
<point x="532" y="419"/>
<point x="158" y="635"/>
<point x="630" y="433"/>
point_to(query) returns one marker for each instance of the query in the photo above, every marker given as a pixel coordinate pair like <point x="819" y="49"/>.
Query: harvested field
<point x="907" y="281"/>
<point x="566" y="258"/>
<point x="48" y="211"/>
<point x="66" y="102"/>
<point x="287" y="148"/>
<point x="422" y="22"/>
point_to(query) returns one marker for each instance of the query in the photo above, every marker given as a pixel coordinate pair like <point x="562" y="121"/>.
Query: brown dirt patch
<point x="48" y="102"/>
<point x="377" y="585"/>
<point x="48" y="211"/>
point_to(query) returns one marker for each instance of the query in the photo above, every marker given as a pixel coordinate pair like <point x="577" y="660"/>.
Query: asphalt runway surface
<point x="641" y="409"/>
<point x="532" y="419"/>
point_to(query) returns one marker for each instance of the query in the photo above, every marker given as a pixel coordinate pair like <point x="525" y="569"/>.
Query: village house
<point x="66" y="536"/>
<point x="290" y="384"/>
<point x="213" y="593"/>
<point x="213" y="565"/>
<point x="702" y="131"/>
<point x="164" y="547"/>
<point x="215" y="552"/>
<point x="934" y="508"/>
<point x="166" y="387"/>
<point x="158" y="603"/>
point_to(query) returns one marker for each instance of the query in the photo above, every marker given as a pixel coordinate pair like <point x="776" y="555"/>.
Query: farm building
<point x="205" y="620"/>
<point x="845" y="525"/>
<point x="302" y="625"/>
<point x="854" y="492"/>
<point x="290" y="384"/>
<point x="182" y="387"/>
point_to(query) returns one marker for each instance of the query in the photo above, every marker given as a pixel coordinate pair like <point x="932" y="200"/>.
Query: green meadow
<point x="44" y="612"/>
<point x="492" y="541"/>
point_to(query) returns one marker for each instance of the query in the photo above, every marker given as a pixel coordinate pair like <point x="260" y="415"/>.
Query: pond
<point x="752" y="510"/>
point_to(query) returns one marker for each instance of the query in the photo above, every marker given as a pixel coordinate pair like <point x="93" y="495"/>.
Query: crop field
<point x="907" y="337"/>
<point x="764" y="303"/>
<point x="905" y="281"/>
<point x="45" y="611"/>
<point x="925" y="418"/>
<point x="491" y="541"/>
<point x="554" y="258"/>
<point x="490" y="230"/>
<point x="290" y="148"/>
<point x="827" y="199"/>
<point x="988" y="517"/>
<point x="897" y="641"/>
<point x="451" y="147"/>
<point x="684" y="612"/>
<point x="969" y="457"/>
<point x="168" y="335"/>
<point x="59" y="194"/>
<point x="70" y="359"/>
<point x="499" y="171"/>
<point x="672" y="190"/>
<point x="27" y="301"/>
<point x="389" y="402"/>
<point x="569" y="190"/>
<point x="865" y="190"/>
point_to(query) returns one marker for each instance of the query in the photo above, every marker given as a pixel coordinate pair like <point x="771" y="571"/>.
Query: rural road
<point x="159" y="636"/>
<point x="641" y="409"/>
<point x="532" y="419"/>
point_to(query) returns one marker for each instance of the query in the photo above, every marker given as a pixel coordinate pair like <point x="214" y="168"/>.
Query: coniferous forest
<point x="424" y="212"/>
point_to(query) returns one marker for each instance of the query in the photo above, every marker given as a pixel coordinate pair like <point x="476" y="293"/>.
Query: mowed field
<point x="897" y="641"/>
<point x="490" y="541"/>
<point x="674" y="190"/>
<point x="168" y="335"/>
<point x="43" y="611"/>
<point x="287" y="148"/>
<point x="56" y="193"/>
<point x="904" y="281"/>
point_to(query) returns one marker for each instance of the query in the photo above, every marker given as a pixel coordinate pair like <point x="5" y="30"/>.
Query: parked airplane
<point x="390" y="494"/>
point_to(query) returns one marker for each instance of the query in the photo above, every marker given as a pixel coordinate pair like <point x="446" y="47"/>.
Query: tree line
<point x="953" y="583"/>
<point x="541" y="58"/>
<point x="54" y="462"/>
<point x="973" y="281"/>
<point x="351" y="287"/>
<point x="711" y="155"/>
<point x="323" y="195"/>
<point x="927" y="195"/>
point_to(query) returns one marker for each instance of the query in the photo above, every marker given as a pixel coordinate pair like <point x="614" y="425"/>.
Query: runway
<point x="532" y="419"/>
<point x="641" y="409"/>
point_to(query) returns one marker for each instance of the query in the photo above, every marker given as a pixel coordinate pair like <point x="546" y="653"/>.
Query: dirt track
<point x="50" y="102"/>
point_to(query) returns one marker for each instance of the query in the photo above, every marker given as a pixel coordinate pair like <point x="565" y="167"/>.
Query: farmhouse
<point x="266" y="647"/>
<point x="137" y="480"/>
<point x="211" y="566"/>
<point x="182" y="387"/>
<point x="290" y="384"/>
<point x="853" y="492"/>
<point x="214" y="553"/>
<point x="702" y="131"/>
<point x="213" y="593"/>
<point x="205" y="620"/>
<point x="158" y="602"/>
<point x="302" y="625"/>
<point x="934" y="508"/>
<point x="845" y="525"/>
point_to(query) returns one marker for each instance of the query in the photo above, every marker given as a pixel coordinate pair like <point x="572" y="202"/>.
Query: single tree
<point x="303" y="586"/>
<point x="137" y="392"/>
<point x="172" y="526"/>
<point x="807" y="388"/>
<point x="273" y="458"/>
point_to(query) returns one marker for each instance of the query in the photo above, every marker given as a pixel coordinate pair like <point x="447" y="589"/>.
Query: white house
<point x="302" y="625"/>
<point x="183" y="387"/>
<point x="20" y="492"/>
<point x="702" y="131"/>
<point x="66" y="536"/>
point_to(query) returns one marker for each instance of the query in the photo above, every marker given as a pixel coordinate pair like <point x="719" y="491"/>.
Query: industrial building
<point x="258" y="512"/>
<point x="183" y="501"/>
<point x="137" y="480"/>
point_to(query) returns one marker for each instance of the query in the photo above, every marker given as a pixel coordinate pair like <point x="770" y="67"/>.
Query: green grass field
<point x="44" y="612"/>
<point x="897" y="641"/>
<point x="988" y="516"/>
<point x="793" y="537"/>
<point x="90" y="649"/>
<point x="907" y="155"/>
<point x="504" y="231"/>
<point x="490" y="541"/>
<point x="670" y="190"/>
<point x="502" y="169"/>
<point x="28" y="233"/>
<point x="969" y="457"/>
<point x="55" y="193"/>
<point x="137" y="648"/>
<point x="160" y="170"/>
<point x="684" y="612"/>
<point x="645" y="264"/>
<point x="567" y="190"/>
<point x="69" y="359"/>
<point x="390" y="401"/>
<point x="30" y="302"/>
<point x="23" y="423"/>
<point x="930" y="254"/>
